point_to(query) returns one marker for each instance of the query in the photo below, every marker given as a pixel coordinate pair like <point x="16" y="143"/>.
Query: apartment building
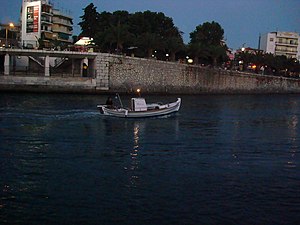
<point x="42" y="24"/>
<point x="281" y="43"/>
<point x="62" y="26"/>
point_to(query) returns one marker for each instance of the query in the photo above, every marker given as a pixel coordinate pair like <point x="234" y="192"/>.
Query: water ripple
<point x="221" y="160"/>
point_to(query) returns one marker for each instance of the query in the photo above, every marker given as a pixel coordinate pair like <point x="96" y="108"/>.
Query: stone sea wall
<point x="125" y="74"/>
<point x="47" y="84"/>
<point x="115" y="73"/>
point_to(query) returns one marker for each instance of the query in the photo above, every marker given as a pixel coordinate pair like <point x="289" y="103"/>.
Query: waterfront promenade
<point x="88" y="72"/>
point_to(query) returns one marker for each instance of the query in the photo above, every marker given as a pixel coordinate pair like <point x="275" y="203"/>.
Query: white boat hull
<point x="126" y="113"/>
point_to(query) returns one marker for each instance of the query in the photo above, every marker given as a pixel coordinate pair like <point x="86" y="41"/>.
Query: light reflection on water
<point x="220" y="160"/>
<point x="134" y="164"/>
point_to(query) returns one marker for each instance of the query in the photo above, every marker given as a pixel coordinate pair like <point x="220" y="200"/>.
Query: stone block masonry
<point x="126" y="74"/>
<point x="117" y="73"/>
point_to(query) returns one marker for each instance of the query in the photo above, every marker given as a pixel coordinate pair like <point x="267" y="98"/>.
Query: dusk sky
<point x="242" y="20"/>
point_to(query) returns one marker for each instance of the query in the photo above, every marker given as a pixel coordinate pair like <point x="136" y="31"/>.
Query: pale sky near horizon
<point x="242" y="20"/>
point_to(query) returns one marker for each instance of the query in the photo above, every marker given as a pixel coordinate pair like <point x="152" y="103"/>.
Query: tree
<point x="149" y="42"/>
<point x="74" y="39"/>
<point x="207" y="39"/>
<point x="89" y="23"/>
<point x="216" y="52"/>
<point x="119" y="17"/>
<point x="117" y="36"/>
<point x="274" y="64"/>
<point x="197" y="49"/>
<point x="173" y="42"/>
<point x="145" y="31"/>
<point x="155" y="31"/>
<point x="246" y="58"/>
<point x="208" y="33"/>
<point x="113" y="32"/>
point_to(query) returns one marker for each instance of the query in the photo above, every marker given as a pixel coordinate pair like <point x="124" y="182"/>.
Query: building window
<point x="271" y="39"/>
<point x="293" y="42"/>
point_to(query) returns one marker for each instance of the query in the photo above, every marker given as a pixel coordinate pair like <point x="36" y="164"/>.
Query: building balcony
<point x="47" y="31"/>
<point x="47" y="35"/>
<point x="288" y="55"/>
<point x="285" y="51"/>
<point x="47" y="9"/>
<point x="62" y="22"/>
<point x="47" y="13"/>
<point x="57" y="13"/>
<point x="287" y="43"/>
<point x="62" y="37"/>
<point x="57" y="30"/>
<point x="46" y="21"/>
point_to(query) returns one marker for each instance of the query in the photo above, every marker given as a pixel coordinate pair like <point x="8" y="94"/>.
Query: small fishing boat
<point x="139" y="109"/>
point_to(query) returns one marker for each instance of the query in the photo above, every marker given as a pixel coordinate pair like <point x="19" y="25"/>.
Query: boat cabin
<point x="138" y="104"/>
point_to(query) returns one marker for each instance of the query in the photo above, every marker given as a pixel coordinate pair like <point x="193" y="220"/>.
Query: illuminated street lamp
<point x="190" y="61"/>
<point x="11" y="25"/>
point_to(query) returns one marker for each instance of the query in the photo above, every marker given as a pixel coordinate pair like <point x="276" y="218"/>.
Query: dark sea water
<point x="220" y="160"/>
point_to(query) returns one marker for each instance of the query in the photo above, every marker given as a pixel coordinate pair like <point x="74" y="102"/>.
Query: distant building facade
<point x="62" y="26"/>
<point x="41" y="24"/>
<point x="10" y="35"/>
<point x="281" y="43"/>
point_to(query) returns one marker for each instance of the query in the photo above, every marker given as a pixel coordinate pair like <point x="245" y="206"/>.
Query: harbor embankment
<point x="109" y="73"/>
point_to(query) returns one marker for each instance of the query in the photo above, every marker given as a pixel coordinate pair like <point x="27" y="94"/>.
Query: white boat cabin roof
<point x="138" y="104"/>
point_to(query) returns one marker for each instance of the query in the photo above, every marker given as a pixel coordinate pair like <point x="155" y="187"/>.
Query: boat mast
<point x="120" y="100"/>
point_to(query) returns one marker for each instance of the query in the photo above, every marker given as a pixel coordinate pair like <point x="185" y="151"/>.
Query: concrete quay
<point x="84" y="72"/>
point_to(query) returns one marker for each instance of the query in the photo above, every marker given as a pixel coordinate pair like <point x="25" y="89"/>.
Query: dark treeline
<point x="151" y="34"/>
<point x="271" y="64"/>
<point x="154" y="35"/>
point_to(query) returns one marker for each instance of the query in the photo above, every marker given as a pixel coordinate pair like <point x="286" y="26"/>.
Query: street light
<point x="11" y="25"/>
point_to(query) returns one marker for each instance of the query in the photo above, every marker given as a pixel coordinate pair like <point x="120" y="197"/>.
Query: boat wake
<point x="49" y="114"/>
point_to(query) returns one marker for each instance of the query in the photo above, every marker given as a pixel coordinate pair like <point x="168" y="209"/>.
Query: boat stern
<point x="100" y="107"/>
